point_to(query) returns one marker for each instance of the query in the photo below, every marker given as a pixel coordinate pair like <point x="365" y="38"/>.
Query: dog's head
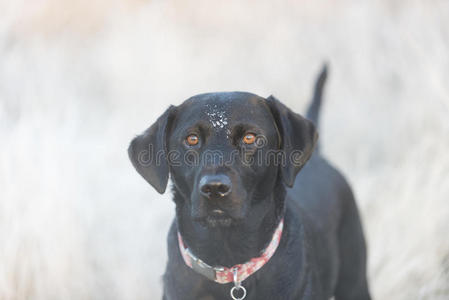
<point x="225" y="153"/>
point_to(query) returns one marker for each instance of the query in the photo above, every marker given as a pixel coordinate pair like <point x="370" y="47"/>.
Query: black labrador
<point x="234" y="160"/>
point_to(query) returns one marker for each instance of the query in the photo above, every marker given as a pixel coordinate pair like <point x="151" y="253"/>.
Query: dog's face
<point x="224" y="152"/>
<point x="219" y="138"/>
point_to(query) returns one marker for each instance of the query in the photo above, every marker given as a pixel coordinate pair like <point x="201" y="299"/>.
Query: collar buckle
<point x="201" y="267"/>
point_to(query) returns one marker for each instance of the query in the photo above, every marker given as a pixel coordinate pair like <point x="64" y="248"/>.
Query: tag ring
<point x="236" y="288"/>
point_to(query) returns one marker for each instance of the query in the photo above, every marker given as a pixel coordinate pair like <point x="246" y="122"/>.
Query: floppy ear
<point x="298" y="137"/>
<point x="147" y="151"/>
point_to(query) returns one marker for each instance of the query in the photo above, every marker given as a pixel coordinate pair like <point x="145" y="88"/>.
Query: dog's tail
<point x="313" y="112"/>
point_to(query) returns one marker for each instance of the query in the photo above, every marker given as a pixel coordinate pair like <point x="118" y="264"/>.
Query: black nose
<point x="215" y="186"/>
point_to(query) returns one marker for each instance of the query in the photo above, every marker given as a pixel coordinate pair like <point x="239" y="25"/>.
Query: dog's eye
<point x="192" y="140"/>
<point x="249" y="138"/>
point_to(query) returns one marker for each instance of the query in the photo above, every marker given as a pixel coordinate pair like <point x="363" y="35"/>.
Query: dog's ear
<point x="148" y="151"/>
<point x="297" y="137"/>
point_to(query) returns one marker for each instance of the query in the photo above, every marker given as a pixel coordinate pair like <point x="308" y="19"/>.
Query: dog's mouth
<point x="217" y="218"/>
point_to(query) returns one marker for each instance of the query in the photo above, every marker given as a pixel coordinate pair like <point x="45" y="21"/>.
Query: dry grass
<point x="78" y="79"/>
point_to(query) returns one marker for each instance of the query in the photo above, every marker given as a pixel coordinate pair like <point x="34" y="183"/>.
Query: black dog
<point x="231" y="157"/>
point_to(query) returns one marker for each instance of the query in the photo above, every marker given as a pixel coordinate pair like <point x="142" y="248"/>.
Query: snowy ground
<point x="78" y="79"/>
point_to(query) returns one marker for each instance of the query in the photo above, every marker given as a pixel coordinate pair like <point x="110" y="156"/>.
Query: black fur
<point x="322" y="252"/>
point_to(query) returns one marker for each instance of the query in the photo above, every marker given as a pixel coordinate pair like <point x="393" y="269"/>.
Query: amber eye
<point x="192" y="140"/>
<point x="249" y="138"/>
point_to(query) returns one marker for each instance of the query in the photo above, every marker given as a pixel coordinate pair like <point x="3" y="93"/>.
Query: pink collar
<point x="237" y="273"/>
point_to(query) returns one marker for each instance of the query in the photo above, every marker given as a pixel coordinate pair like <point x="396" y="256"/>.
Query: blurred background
<point x="80" y="78"/>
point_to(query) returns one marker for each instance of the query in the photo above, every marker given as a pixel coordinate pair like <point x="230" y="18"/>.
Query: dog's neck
<point x="236" y="244"/>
